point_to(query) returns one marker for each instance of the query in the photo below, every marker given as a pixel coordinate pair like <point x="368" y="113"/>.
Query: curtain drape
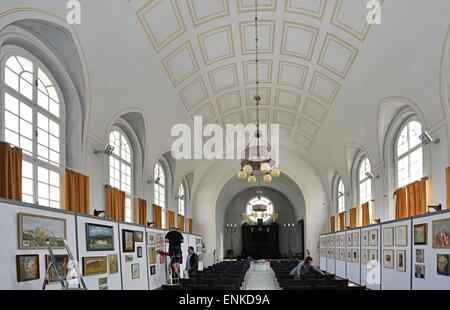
<point x="354" y="217"/>
<point x="191" y="226"/>
<point x="142" y="211"/>
<point x="342" y="221"/>
<point x="10" y="172"/>
<point x="76" y="192"/>
<point x="333" y="223"/>
<point x="447" y="188"/>
<point x="181" y="223"/>
<point x="170" y="219"/>
<point x="366" y="220"/>
<point x="157" y="216"/>
<point x="419" y="204"/>
<point x="401" y="210"/>
<point x="115" y="203"/>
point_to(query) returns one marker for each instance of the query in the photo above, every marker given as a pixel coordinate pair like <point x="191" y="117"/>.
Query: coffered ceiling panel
<point x="307" y="51"/>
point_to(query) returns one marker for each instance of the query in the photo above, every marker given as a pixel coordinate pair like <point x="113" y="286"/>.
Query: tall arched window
<point x="341" y="196"/>
<point x="160" y="191"/>
<point x="181" y="200"/>
<point x="364" y="181"/>
<point x="33" y="120"/>
<point x="409" y="154"/>
<point x="120" y="169"/>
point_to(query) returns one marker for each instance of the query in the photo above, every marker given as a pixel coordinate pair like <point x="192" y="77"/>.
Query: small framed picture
<point x="401" y="235"/>
<point x="420" y="233"/>
<point x="388" y="259"/>
<point x="364" y="256"/>
<point x="138" y="236"/>
<point x="388" y="236"/>
<point x="349" y="240"/>
<point x="355" y="257"/>
<point x="355" y="239"/>
<point x="401" y="260"/>
<point x="27" y="267"/>
<point x="420" y="256"/>
<point x="442" y="262"/>
<point x="373" y="255"/>
<point x="135" y="274"/>
<point x="373" y="237"/>
<point x="139" y="251"/>
<point x="365" y="238"/>
<point x="419" y="271"/>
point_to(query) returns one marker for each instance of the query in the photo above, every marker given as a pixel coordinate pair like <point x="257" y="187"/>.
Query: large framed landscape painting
<point x="441" y="234"/>
<point x="27" y="267"/>
<point x="99" y="237"/>
<point x="34" y="230"/>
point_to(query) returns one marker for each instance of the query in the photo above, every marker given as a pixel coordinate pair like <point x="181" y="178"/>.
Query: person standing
<point x="191" y="261"/>
<point x="175" y="239"/>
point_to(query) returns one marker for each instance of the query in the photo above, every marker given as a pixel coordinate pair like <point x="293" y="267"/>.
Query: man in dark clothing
<point x="191" y="261"/>
<point x="305" y="267"/>
<point x="175" y="239"/>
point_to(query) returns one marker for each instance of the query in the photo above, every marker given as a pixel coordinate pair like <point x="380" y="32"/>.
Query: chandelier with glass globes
<point x="258" y="153"/>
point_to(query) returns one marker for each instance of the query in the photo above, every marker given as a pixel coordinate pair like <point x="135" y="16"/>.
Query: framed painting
<point x="128" y="241"/>
<point x="364" y="256"/>
<point x="442" y="262"/>
<point x="365" y="238"/>
<point x="342" y="240"/>
<point x="62" y="262"/>
<point x="420" y="233"/>
<point x="373" y="255"/>
<point x="420" y="255"/>
<point x="388" y="236"/>
<point x="113" y="263"/>
<point x="388" y="259"/>
<point x="151" y="239"/>
<point x="373" y="237"/>
<point x="355" y="257"/>
<point x="349" y="255"/>
<point x="135" y="274"/>
<point x="160" y="243"/>
<point x="34" y="230"/>
<point x="420" y="271"/>
<point x="128" y="258"/>
<point x="401" y="260"/>
<point x="355" y="239"/>
<point x="152" y="270"/>
<point x="95" y="265"/>
<point x="27" y="267"/>
<point x="441" y="234"/>
<point x="401" y="235"/>
<point x="138" y="236"/>
<point x="102" y="281"/>
<point x="349" y="240"/>
<point x="151" y="255"/>
<point x="341" y="255"/>
<point x="337" y="241"/>
<point x="337" y="254"/>
<point x="139" y="251"/>
<point x="99" y="237"/>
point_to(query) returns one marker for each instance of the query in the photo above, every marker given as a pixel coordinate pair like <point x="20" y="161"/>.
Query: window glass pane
<point x="11" y="79"/>
<point x="26" y="64"/>
<point x="402" y="144"/>
<point x="11" y="104"/>
<point x="13" y="64"/>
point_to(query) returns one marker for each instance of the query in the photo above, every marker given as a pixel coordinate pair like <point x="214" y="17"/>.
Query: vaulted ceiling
<point x="206" y="49"/>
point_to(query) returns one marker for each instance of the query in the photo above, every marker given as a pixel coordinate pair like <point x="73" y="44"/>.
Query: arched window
<point x="33" y="120"/>
<point x="120" y="169"/>
<point x="160" y="191"/>
<point x="341" y="196"/>
<point x="364" y="181"/>
<point x="409" y="154"/>
<point x="260" y="208"/>
<point x="181" y="200"/>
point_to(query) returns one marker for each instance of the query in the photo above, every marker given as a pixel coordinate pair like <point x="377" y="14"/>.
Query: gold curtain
<point x="353" y="217"/>
<point x="142" y="210"/>
<point x="366" y="221"/>
<point x="342" y="221"/>
<point x="447" y="188"/>
<point x="181" y="223"/>
<point x="76" y="192"/>
<point x="157" y="216"/>
<point x="401" y="210"/>
<point x="420" y="198"/>
<point x="170" y="219"/>
<point x="333" y="223"/>
<point x="411" y="198"/>
<point x="10" y="172"/>
<point x="115" y="203"/>
<point x="191" y="226"/>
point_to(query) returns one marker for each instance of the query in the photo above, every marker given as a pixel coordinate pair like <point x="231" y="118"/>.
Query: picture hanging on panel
<point x="442" y="261"/>
<point x="138" y="236"/>
<point x="95" y="265"/>
<point x="62" y="262"/>
<point x="355" y="239"/>
<point x="27" y="267"/>
<point x="441" y="234"/>
<point x="113" y="263"/>
<point x="151" y="255"/>
<point x="388" y="236"/>
<point x="99" y="237"/>
<point x="34" y="230"/>
<point x="151" y="239"/>
<point x="365" y="238"/>
<point x="128" y="258"/>
<point x="128" y="241"/>
<point x="373" y="255"/>
<point x="135" y="271"/>
<point x="152" y="270"/>
<point x="355" y="256"/>
<point x="337" y="254"/>
<point x="336" y="241"/>
<point x="342" y="240"/>
<point x="388" y="259"/>
<point x="349" y="255"/>
<point x="364" y="256"/>
<point x="102" y="281"/>
<point x="349" y="240"/>
<point x="420" y="234"/>
<point x="419" y="271"/>
<point x="373" y="235"/>
<point x="401" y="235"/>
<point x="139" y="251"/>
<point x="420" y="255"/>
<point x="401" y="260"/>
<point x="341" y="255"/>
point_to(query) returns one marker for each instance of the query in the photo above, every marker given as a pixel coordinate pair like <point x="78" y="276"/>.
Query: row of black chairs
<point x="228" y="275"/>
<point x="312" y="281"/>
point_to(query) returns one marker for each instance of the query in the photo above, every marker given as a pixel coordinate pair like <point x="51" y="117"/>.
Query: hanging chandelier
<point x="258" y="153"/>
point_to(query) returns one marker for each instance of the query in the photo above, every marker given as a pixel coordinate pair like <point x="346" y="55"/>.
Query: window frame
<point x="182" y="201"/>
<point x="397" y="158"/>
<point x="164" y="187"/>
<point x="122" y="133"/>
<point x="366" y="179"/>
<point x="15" y="51"/>
<point x="338" y="182"/>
